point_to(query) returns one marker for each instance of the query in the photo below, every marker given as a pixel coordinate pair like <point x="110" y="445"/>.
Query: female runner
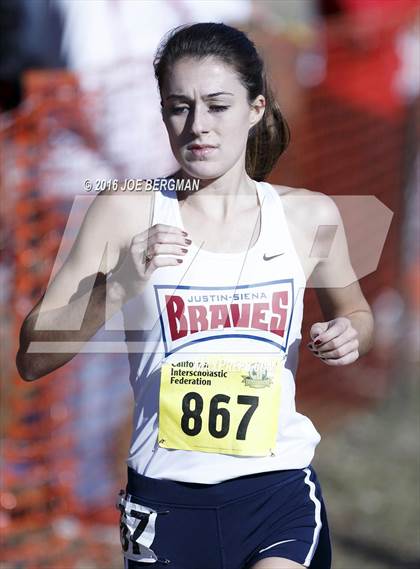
<point x="211" y="282"/>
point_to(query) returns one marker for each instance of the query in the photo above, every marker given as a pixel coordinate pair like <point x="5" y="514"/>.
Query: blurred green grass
<point x="369" y="472"/>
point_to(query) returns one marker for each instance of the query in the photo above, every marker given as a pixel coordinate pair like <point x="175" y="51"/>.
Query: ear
<point x="257" y="110"/>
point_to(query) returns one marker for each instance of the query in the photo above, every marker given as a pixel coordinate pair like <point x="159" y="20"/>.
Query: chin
<point x="202" y="169"/>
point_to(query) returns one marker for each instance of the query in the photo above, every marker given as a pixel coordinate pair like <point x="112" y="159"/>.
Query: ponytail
<point x="268" y="139"/>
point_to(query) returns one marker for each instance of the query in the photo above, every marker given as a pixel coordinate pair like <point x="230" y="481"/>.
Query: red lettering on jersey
<point x="279" y="306"/>
<point x="258" y="315"/>
<point x="240" y="318"/>
<point x="219" y="316"/>
<point x="197" y="316"/>
<point x="178" y="324"/>
<point x="184" y="320"/>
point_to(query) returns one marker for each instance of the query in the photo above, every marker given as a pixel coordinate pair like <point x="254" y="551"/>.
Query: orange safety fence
<point x="340" y="146"/>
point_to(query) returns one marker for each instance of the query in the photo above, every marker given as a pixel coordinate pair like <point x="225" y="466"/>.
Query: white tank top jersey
<point x="242" y="303"/>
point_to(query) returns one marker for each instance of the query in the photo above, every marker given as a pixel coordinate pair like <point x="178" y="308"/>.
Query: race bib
<point x="225" y="405"/>
<point x="137" y="529"/>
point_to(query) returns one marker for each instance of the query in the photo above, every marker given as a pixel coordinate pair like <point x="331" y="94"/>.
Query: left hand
<point x="335" y="342"/>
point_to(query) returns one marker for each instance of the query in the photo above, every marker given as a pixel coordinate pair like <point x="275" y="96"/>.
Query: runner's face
<point x="204" y="103"/>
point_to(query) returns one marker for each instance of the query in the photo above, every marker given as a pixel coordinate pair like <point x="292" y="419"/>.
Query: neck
<point x="221" y="197"/>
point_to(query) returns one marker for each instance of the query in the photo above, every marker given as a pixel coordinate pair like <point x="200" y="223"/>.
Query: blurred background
<point x="78" y="100"/>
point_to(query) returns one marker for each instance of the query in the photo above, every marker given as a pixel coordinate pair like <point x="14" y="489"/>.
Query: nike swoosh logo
<point x="272" y="256"/>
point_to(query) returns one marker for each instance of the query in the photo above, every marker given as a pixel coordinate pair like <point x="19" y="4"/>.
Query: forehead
<point x="207" y="75"/>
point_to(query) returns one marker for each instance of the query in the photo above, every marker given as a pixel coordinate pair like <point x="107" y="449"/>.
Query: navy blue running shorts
<point x="229" y="525"/>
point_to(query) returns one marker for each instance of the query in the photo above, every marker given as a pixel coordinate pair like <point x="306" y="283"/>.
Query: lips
<point x="201" y="150"/>
<point x="199" y="146"/>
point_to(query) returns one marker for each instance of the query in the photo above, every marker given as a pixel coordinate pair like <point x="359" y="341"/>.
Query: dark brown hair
<point x="269" y="138"/>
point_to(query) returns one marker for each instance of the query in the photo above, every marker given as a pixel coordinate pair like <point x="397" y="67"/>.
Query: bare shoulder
<point x="121" y="214"/>
<point x="108" y="223"/>
<point x="306" y="211"/>
<point x="307" y="208"/>
<point x="112" y="219"/>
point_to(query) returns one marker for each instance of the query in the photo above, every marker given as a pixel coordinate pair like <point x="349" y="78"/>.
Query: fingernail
<point x="184" y="233"/>
<point x="317" y="342"/>
<point x="184" y="250"/>
<point x="188" y="241"/>
<point x="179" y="260"/>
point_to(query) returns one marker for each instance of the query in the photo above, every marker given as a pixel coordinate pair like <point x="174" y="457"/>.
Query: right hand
<point x="147" y="253"/>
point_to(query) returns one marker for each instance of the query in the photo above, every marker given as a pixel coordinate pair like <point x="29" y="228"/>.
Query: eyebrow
<point x="209" y="96"/>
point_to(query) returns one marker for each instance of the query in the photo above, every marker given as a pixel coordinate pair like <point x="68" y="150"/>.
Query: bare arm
<point x="347" y="332"/>
<point x="89" y="308"/>
<point x="349" y="303"/>
<point x="73" y="307"/>
<point x="80" y="299"/>
<point x="319" y="238"/>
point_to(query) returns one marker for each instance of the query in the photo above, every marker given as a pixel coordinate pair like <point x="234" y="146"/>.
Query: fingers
<point x="338" y="333"/>
<point x="337" y="353"/>
<point x="151" y="250"/>
<point x="317" y="329"/>
<point x="151" y="247"/>
<point x="163" y="244"/>
<point x="162" y="234"/>
<point x="338" y="344"/>
<point x="345" y="360"/>
<point x="153" y="263"/>
<point x="159" y="246"/>
<point x="163" y="227"/>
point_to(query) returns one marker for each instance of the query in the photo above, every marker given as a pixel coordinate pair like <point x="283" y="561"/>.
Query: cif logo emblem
<point x="257" y="376"/>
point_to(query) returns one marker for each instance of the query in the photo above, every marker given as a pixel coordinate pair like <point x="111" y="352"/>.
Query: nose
<point x="200" y="120"/>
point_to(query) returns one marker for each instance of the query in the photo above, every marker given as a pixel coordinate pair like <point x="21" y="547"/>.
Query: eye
<point x="218" y="108"/>
<point x="178" y="110"/>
